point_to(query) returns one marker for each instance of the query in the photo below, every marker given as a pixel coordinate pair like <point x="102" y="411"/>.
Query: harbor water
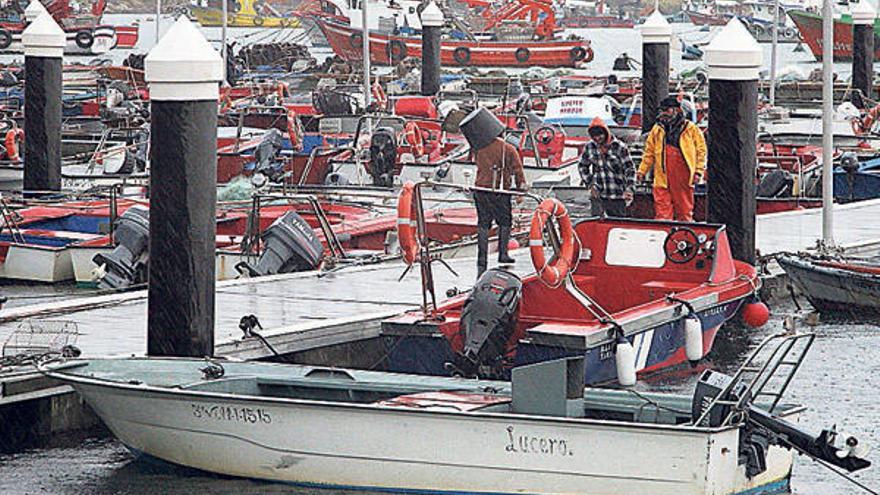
<point x="838" y="381"/>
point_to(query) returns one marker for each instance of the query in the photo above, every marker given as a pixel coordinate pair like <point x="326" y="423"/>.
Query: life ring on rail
<point x="13" y="137"/>
<point x="577" y="53"/>
<point x="413" y="136"/>
<point x="462" y="55"/>
<point x="551" y="272"/>
<point x="5" y="39"/>
<point x="84" y="39"/>
<point x="522" y="54"/>
<point x="407" y="223"/>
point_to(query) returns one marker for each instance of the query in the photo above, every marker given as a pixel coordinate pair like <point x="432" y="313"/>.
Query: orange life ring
<point x="13" y="137"/>
<point x="553" y="272"/>
<point x="407" y="223"/>
<point x="414" y="138"/>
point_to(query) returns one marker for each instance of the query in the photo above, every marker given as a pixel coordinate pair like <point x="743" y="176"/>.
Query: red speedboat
<point x="662" y="288"/>
<point x="347" y="42"/>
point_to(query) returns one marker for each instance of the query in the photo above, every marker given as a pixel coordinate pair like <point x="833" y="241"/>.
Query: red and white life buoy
<point x="553" y="272"/>
<point x="413" y="136"/>
<point x="407" y="224"/>
<point x="14" y="136"/>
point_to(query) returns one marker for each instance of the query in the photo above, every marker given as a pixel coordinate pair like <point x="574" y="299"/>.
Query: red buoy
<point x="512" y="244"/>
<point x="755" y="314"/>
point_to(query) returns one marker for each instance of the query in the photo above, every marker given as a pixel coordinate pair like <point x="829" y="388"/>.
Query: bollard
<point x="863" y="51"/>
<point x="734" y="59"/>
<point x="44" y="43"/>
<point x="432" y="22"/>
<point x="184" y="90"/>
<point x="656" y="35"/>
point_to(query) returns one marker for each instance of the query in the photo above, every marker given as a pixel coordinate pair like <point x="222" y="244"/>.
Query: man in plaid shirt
<point x="608" y="172"/>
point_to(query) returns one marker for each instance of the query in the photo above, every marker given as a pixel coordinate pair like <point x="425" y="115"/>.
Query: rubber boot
<point x="503" y="239"/>
<point x="482" y="250"/>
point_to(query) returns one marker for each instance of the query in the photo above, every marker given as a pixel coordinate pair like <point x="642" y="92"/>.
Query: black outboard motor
<point x="849" y="162"/>
<point x="266" y="156"/>
<point x="763" y="429"/>
<point x="383" y="156"/>
<point x="488" y="320"/>
<point x="290" y="246"/>
<point x="127" y="264"/>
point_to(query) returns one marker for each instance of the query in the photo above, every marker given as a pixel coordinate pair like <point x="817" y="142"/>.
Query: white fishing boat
<point x="542" y="433"/>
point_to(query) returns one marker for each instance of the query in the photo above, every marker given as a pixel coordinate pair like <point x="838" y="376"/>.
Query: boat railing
<point x="754" y="380"/>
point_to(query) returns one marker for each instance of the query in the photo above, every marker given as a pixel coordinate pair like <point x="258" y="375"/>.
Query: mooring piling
<point x="43" y="42"/>
<point x="184" y="90"/>
<point x="656" y="36"/>
<point x="734" y="59"/>
<point x="432" y="23"/>
<point x="863" y="16"/>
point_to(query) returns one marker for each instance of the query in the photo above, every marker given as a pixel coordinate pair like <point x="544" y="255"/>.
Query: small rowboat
<point x="836" y="286"/>
<point x="347" y="42"/>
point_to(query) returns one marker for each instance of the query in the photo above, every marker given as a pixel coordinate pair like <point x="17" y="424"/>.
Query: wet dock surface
<point x="798" y="230"/>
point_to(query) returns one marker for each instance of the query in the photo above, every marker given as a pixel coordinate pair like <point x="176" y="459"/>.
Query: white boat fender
<point x="625" y="358"/>
<point x="693" y="338"/>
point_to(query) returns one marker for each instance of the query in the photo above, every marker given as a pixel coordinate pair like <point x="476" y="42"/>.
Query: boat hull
<point x="347" y="43"/>
<point x="315" y="444"/>
<point x="832" y="290"/>
<point x="214" y="18"/>
<point x="810" y="26"/>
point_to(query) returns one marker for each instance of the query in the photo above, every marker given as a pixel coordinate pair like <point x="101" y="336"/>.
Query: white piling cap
<point x="33" y="10"/>
<point x="183" y="66"/>
<point x="862" y="12"/>
<point x="656" y="29"/>
<point x="44" y="38"/>
<point x="432" y="16"/>
<point x="734" y="55"/>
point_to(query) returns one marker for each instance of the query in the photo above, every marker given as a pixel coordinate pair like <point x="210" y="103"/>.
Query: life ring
<point x="414" y="138"/>
<point x="789" y="32"/>
<point x="356" y="40"/>
<point x="522" y="54"/>
<point x="5" y="39"/>
<point x="84" y="39"/>
<point x="577" y="53"/>
<point x="396" y="51"/>
<point x="13" y="137"/>
<point x="462" y="55"/>
<point x="553" y="272"/>
<point x="258" y="21"/>
<point x="758" y="29"/>
<point x="407" y="223"/>
<point x="589" y="56"/>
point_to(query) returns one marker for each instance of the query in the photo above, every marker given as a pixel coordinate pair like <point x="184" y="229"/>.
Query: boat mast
<point x="366" y="54"/>
<point x="158" y="18"/>
<point x="773" y="53"/>
<point x="827" y="115"/>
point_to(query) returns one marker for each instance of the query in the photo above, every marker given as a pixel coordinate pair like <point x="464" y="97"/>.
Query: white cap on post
<point x="33" y="10"/>
<point x="734" y="55"/>
<point x="862" y="12"/>
<point x="432" y="16"/>
<point x="183" y="66"/>
<point x="44" y="38"/>
<point x="656" y="29"/>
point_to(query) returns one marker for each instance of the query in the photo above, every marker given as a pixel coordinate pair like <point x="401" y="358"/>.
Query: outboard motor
<point x="849" y="162"/>
<point x="127" y="264"/>
<point x="266" y="156"/>
<point x="383" y="156"/>
<point x="290" y="246"/>
<point x="488" y="321"/>
<point x="763" y="429"/>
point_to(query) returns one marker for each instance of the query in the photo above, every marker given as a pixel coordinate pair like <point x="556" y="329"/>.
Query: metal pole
<point x="158" y="18"/>
<point x="827" y="115"/>
<point x="223" y="36"/>
<point x="773" y="53"/>
<point x="366" y="54"/>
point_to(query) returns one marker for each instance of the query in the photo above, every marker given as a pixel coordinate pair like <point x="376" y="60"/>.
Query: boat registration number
<point x="217" y="412"/>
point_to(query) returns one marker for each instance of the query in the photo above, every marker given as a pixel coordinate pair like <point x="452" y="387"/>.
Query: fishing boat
<point x="836" y="285"/>
<point x="243" y="13"/>
<point x="542" y="433"/>
<point x="810" y="26"/>
<point x="388" y="49"/>
<point x="663" y="289"/>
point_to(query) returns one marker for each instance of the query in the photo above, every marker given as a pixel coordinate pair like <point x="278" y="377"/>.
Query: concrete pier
<point x="863" y="15"/>
<point x="656" y="36"/>
<point x="184" y="90"/>
<point x="44" y="43"/>
<point x="432" y="22"/>
<point x="734" y="59"/>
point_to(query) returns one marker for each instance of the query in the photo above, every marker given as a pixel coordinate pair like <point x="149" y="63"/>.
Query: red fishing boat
<point x="810" y="26"/>
<point x="629" y="296"/>
<point x="347" y="43"/>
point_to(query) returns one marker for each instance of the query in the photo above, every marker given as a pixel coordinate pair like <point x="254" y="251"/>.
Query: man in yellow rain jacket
<point x="676" y="151"/>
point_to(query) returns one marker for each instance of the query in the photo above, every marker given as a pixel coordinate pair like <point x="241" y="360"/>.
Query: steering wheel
<point x="681" y="245"/>
<point x="545" y="135"/>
